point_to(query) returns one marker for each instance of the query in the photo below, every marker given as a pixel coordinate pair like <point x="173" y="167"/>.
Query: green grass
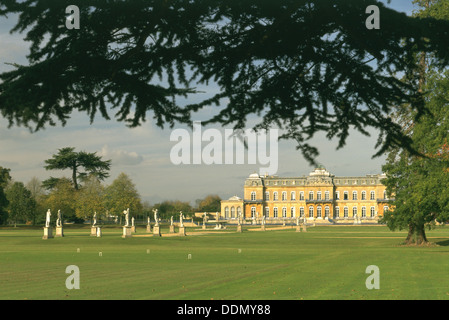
<point x="323" y="263"/>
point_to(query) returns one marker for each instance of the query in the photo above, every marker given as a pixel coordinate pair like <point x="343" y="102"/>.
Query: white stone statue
<point x="47" y="219"/>
<point x="218" y="217"/>
<point x="156" y="223"/>
<point x="171" y="220"/>
<point x="59" y="220"/>
<point x="263" y="220"/>
<point x="95" y="219"/>
<point x="132" y="221"/>
<point x="126" y="213"/>
<point x="181" y="219"/>
<point x="148" y="220"/>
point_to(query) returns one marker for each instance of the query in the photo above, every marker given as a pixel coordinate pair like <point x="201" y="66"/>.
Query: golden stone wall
<point x="278" y="197"/>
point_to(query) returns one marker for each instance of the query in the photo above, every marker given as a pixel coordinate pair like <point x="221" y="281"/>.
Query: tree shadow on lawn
<point x="443" y="243"/>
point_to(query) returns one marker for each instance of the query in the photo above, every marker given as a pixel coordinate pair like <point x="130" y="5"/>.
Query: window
<point x="292" y="212"/>
<point x="311" y="212"/>
<point x="267" y="195"/>
<point x="275" y="196"/>
<point x="275" y="212"/>
<point x="267" y="212"/>
<point x="345" y="212"/>
<point x="372" y="212"/>
<point x="326" y="195"/>
<point x="318" y="195"/>
<point x="311" y="195"/>
<point x="326" y="212"/>
<point x="386" y="209"/>
<point x="363" y="195"/>
<point x="372" y="195"/>
<point x="293" y="195"/>
<point x="346" y="195"/>
<point x="239" y="211"/>
<point x="284" y="195"/>
<point x="337" y="195"/>
<point x="337" y="212"/>
<point x="253" y="212"/>
<point x="318" y="212"/>
<point x="301" y="212"/>
<point x="301" y="195"/>
<point x="284" y="212"/>
<point x="354" y="195"/>
<point x="253" y="196"/>
<point x="226" y="212"/>
<point x="363" y="212"/>
<point x="354" y="211"/>
<point x="232" y="212"/>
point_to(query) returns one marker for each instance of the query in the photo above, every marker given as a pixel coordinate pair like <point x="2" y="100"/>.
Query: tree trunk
<point x="411" y="231"/>
<point x="416" y="235"/>
<point x="75" y="183"/>
<point x="421" y="235"/>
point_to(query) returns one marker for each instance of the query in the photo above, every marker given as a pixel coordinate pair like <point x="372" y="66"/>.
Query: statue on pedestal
<point x="47" y="219"/>
<point x="156" y="224"/>
<point x="126" y="213"/>
<point x="181" y="219"/>
<point x="59" y="220"/>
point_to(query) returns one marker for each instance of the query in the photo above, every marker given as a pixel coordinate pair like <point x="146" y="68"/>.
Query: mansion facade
<point x="320" y="195"/>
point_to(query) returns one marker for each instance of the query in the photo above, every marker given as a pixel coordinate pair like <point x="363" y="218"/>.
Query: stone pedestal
<point x="133" y="229"/>
<point x="93" y="231"/>
<point x="239" y="228"/>
<point x="262" y="227"/>
<point x="182" y="231"/>
<point x="148" y="228"/>
<point x="172" y="229"/>
<point x="59" y="231"/>
<point x="156" y="231"/>
<point x="127" y="232"/>
<point x="204" y="226"/>
<point x="48" y="233"/>
<point x="304" y="228"/>
<point x="298" y="228"/>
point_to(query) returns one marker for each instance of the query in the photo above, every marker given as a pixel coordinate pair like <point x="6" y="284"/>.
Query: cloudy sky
<point x="143" y="153"/>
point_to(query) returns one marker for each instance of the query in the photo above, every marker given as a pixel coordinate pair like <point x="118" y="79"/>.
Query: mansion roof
<point x="319" y="176"/>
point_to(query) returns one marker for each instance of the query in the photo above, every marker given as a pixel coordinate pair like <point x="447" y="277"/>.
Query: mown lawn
<point x="326" y="262"/>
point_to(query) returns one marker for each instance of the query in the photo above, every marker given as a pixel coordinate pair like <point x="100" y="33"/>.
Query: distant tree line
<point x="84" y="194"/>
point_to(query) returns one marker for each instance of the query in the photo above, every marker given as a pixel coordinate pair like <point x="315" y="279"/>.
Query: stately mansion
<point x="318" y="196"/>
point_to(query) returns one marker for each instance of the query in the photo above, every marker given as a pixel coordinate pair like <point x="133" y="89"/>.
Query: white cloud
<point x="121" y="157"/>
